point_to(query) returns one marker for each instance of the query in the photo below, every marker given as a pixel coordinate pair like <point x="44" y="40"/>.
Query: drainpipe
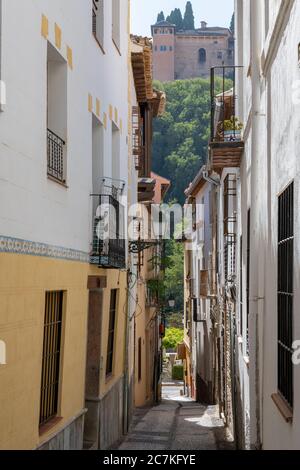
<point x="209" y="179"/>
<point x="255" y="21"/>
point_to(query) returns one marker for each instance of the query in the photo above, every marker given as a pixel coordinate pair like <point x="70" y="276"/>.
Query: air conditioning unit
<point x="199" y="310"/>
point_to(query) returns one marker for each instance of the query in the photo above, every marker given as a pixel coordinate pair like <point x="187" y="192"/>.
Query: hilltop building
<point x="181" y="54"/>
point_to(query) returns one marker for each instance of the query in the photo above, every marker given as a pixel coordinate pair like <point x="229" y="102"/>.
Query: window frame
<point x="54" y="300"/>
<point x="285" y="295"/>
<point x="111" y="338"/>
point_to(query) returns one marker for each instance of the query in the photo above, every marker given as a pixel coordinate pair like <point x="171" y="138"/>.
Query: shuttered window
<point x="51" y="356"/>
<point x="285" y="293"/>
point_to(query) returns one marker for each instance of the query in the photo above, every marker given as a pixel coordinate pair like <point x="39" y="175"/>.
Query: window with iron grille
<point x="111" y="331"/>
<point x="51" y="356"/>
<point x="57" y="115"/>
<point x="285" y="293"/>
<point x="98" y="20"/>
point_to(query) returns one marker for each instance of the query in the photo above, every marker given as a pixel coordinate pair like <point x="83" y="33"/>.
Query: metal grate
<point x="109" y="247"/>
<point x="137" y="138"/>
<point x="223" y="105"/>
<point x="111" y="331"/>
<point x="285" y="293"/>
<point x="230" y="221"/>
<point x="94" y="15"/>
<point x="51" y="356"/>
<point x="55" y="151"/>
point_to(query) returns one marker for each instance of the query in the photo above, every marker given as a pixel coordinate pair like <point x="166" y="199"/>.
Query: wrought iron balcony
<point x="226" y="143"/>
<point x="108" y="246"/>
<point x="55" y="151"/>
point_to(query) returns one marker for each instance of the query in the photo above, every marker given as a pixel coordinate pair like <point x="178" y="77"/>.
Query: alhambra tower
<point x="163" y="34"/>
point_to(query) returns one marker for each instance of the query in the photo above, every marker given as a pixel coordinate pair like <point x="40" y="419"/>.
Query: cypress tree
<point x="160" y="17"/>
<point x="232" y="24"/>
<point x="189" y="19"/>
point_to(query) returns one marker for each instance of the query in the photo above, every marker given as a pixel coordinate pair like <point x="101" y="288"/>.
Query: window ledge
<point x="283" y="407"/>
<point x="61" y="183"/>
<point x="116" y="46"/>
<point x="99" y="43"/>
<point x="45" y="428"/>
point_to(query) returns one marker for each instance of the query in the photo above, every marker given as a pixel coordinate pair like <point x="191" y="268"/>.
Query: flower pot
<point x="232" y="136"/>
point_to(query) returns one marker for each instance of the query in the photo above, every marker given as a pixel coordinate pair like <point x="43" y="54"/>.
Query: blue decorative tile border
<point x="25" y="247"/>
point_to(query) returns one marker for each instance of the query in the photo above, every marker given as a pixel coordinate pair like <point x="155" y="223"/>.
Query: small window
<point x="116" y="23"/>
<point x="51" y="356"/>
<point x="162" y="48"/>
<point x="171" y="48"/>
<point x="220" y="55"/>
<point x="202" y="56"/>
<point x="111" y="331"/>
<point x="285" y="306"/>
<point x="98" y="20"/>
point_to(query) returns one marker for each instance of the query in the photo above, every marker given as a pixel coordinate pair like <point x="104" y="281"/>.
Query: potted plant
<point x="232" y="129"/>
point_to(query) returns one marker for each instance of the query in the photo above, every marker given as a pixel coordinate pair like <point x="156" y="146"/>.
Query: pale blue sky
<point x="144" y="12"/>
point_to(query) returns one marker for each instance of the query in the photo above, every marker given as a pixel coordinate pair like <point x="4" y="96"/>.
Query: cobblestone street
<point x="178" y="423"/>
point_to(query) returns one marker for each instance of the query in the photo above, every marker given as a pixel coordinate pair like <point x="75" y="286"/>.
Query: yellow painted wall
<point x="23" y="283"/>
<point x="145" y="329"/>
<point x="115" y="280"/>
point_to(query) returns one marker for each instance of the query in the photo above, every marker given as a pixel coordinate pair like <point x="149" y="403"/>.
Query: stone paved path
<point x="177" y="424"/>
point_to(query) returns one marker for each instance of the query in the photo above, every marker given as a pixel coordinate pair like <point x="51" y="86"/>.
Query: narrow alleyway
<point x="178" y="423"/>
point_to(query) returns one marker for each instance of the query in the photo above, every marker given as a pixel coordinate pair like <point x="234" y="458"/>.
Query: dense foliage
<point x="181" y="134"/>
<point x="173" y="281"/>
<point x="173" y="337"/>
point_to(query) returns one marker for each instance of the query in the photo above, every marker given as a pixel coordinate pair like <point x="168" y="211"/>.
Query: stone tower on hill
<point x="180" y="54"/>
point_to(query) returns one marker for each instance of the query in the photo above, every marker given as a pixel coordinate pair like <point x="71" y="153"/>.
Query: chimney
<point x="203" y="24"/>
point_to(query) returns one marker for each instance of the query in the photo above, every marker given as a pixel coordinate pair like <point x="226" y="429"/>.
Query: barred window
<point x="285" y="293"/>
<point x="111" y="331"/>
<point x="98" y="20"/>
<point x="51" y="356"/>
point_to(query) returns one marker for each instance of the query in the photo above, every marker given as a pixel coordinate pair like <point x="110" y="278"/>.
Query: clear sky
<point x="144" y="12"/>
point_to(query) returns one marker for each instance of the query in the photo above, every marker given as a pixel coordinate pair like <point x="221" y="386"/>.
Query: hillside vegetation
<point x="181" y="135"/>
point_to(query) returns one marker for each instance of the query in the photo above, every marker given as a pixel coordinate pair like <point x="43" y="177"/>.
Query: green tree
<point x="189" y="19"/>
<point x="181" y="135"/>
<point x="173" y="337"/>
<point x="175" y="17"/>
<point x="173" y="281"/>
<point x="160" y="17"/>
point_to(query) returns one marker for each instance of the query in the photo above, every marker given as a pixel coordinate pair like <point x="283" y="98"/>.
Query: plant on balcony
<point x="232" y="129"/>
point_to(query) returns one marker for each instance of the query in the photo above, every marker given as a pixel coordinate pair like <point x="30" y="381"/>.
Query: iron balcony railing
<point x="108" y="246"/>
<point x="55" y="151"/>
<point x="225" y="123"/>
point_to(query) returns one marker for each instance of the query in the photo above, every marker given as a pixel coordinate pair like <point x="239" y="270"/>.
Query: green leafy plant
<point x="173" y="337"/>
<point x="177" y="372"/>
<point x="233" y="124"/>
